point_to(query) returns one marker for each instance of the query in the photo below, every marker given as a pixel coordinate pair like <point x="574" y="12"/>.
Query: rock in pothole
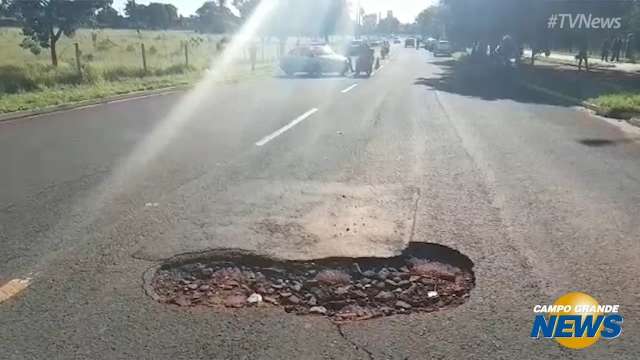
<point x="424" y="278"/>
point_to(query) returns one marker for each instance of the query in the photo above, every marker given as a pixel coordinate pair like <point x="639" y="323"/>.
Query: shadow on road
<point x="483" y="81"/>
<point x="605" y="142"/>
<point x="492" y="82"/>
<point x="440" y="62"/>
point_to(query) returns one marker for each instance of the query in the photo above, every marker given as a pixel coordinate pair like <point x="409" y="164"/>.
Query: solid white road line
<point x="282" y="130"/>
<point x="349" y="88"/>
<point x="139" y="97"/>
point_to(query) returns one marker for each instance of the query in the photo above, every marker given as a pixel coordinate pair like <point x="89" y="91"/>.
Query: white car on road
<point x="314" y="60"/>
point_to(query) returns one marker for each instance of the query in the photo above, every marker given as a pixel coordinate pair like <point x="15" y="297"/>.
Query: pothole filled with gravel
<point x="424" y="278"/>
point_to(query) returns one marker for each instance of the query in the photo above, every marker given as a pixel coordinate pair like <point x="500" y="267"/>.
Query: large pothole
<point x="423" y="278"/>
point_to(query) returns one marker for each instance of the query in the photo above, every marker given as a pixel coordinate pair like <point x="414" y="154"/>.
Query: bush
<point x="105" y="45"/>
<point x="122" y="72"/>
<point x="14" y="78"/>
<point x="29" y="44"/>
<point x="130" y="48"/>
<point x="173" y="70"/>
<point x="92" y="74"/>
<point x="153" y="50"/>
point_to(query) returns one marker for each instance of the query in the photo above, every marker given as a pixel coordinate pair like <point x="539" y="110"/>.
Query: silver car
<point x="442" y="47"/>
<point x="314" y="60"/>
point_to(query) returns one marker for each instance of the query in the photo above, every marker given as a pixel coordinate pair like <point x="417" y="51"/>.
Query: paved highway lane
<point x="542" y="198"/>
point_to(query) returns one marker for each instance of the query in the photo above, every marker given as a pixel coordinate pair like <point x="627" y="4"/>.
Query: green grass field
<point x="111" y="64"/>
<point x="621" y="105"/>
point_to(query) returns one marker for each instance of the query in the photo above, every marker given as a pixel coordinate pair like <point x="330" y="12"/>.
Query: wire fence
<point x="93" y="56"/>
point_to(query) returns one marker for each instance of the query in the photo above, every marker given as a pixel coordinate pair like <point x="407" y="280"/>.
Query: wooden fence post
<point x="144" y="58"/>
<point x="78" y="63"/>
<point x="186" y="53"/>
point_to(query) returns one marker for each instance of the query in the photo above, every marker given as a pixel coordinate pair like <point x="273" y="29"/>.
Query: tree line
<point x="44" y="22"/>
<point x="469" y="22"/>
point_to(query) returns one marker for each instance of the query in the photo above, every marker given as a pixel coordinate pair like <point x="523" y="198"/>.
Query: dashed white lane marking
<point x="13" y="288"/>
<point x="349" y="88"/>
<point x="282" y="130"/>
<point x="377" y="70"/>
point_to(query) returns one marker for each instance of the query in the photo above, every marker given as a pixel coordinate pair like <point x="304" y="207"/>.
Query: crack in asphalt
<point x="353" y="343"/>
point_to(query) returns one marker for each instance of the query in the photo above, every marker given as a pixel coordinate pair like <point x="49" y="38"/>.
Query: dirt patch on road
<point x="423" y="278"/>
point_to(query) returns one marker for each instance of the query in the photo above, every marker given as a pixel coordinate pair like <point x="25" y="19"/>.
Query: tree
<point x="389" y="25"/>
<point x="4" y="8"/>
<point x="215" y="17"/>
<point x="160" y="16"/>
<point x="135" y="14"/>
<point x="429" y="21"/>
<point x="246" y="7"/>
<point x="45" y="21"/>
<point x="109" y="17"/>
<point x="485" y="22"/>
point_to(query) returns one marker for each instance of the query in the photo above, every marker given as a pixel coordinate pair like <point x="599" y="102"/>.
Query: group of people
<point x="613" y="48"/>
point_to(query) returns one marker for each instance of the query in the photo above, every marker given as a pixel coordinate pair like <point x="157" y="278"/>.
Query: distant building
<point x="390" y="14"/>
<point x="370" y="21"/>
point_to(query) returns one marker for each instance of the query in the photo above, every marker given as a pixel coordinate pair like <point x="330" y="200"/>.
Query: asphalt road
<point x="542" y="197"/>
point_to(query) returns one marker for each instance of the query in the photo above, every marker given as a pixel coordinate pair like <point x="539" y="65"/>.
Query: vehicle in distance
<point x="442" y="47"/>
<point x="314" y="60"/>
<point x="410" y="42"/>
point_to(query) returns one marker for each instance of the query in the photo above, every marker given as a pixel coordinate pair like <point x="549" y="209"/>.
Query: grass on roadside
<point x="623" y="105"/>
<point x="111" y="65"/>
<point x="75" y="93"/>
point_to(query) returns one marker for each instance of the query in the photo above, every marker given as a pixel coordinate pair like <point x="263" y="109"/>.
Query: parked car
<point x="314" y="60"/>
<point x="430" y="44"/>
<point x="443" y="47"/>
<point x="410" y="43"/>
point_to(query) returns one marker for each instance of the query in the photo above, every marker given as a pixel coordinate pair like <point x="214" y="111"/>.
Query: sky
<point x="404" y="10"/>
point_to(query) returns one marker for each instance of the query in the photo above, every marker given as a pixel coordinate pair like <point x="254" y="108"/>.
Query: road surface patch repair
<point x="423" y="278"/>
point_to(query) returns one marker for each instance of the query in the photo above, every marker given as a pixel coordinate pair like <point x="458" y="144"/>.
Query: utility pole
<point x="358" y="21"/>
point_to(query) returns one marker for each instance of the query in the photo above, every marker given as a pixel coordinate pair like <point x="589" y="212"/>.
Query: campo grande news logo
<point x="577" y="321"/>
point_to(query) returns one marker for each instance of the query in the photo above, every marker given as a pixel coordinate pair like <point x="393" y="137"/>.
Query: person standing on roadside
<point x="583" y="56"/>
<point x="604" y="52"/>
<point x="616" y="48"/>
